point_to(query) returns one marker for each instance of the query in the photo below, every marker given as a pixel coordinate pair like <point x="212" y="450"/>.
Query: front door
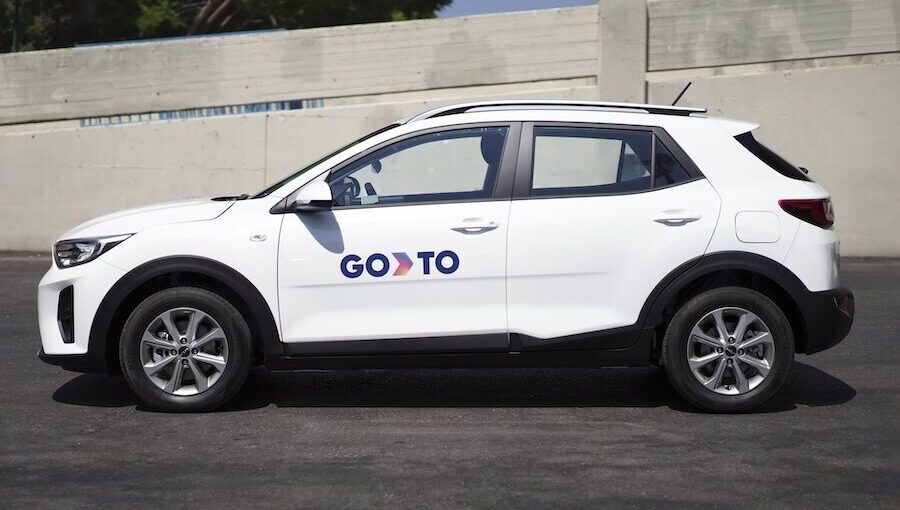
<point x="411" y="258"/>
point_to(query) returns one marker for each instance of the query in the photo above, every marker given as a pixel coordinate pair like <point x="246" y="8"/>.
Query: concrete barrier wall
<point x="837" y="113"/>
<point x="299" y="64"/>
<point x="703" y="33"/>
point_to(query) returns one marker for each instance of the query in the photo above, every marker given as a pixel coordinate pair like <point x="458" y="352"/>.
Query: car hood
<point x="131" y="221"/>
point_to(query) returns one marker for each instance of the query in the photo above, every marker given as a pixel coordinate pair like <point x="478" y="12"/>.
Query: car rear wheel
<point x="728" y="349"/>
<point x="185" y="349"/>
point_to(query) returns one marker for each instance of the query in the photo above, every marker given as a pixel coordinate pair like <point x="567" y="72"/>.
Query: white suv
<point x="511" y="234"/>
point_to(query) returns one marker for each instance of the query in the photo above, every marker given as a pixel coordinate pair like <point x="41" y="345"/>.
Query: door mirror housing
<point x="315" y="196"/>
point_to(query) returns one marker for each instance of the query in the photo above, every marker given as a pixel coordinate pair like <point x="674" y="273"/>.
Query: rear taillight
<point x="817" y="211"/>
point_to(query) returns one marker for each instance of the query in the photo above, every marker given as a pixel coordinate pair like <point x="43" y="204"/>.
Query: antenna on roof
<point x="682" y="93"/>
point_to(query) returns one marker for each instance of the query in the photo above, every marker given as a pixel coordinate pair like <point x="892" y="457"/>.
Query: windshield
<point x="268" y="191"/>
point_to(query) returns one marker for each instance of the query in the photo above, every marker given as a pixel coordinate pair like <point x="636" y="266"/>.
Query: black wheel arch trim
<point x="820" y="322"/>
<point x="103" y="357"/>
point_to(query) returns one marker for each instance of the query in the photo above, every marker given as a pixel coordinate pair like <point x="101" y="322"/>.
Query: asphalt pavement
<point x="457" y="438"/>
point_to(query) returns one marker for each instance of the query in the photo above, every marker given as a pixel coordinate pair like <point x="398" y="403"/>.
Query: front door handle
<point x="475" y="229"/>
<point x="676" y="218"/>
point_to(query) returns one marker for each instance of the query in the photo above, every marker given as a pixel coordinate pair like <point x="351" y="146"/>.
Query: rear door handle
<point x="676" y="218"/>
<point x="475" y="229"/>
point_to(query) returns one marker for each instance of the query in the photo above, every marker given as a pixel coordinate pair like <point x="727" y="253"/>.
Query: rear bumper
<point x="828" y="316"/>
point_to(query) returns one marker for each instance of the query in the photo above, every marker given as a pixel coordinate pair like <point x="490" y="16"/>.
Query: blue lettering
<point x="442" y="266"/>
<point x="385" y="265"/>
<point x="426" y="257"/>
<point x="353" y="270"/>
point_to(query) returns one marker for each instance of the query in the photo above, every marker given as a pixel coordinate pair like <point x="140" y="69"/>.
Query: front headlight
<point x="73" y="252"/>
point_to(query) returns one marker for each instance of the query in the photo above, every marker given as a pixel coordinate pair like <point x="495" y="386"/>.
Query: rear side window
<point x="770" y="157"/>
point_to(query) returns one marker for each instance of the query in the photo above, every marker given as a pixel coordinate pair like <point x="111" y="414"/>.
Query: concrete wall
<point x="703" y="33"/>
<point x="299" y="64"/>
<point x="823" y="90"/>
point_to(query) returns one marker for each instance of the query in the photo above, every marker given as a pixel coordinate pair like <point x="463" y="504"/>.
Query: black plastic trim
<point x="821" y="325"/>
<point x="638" y="354"/>
<point x="65" y="314"/>
<point x="616" y="338"/>
<point x="496" y="342"/>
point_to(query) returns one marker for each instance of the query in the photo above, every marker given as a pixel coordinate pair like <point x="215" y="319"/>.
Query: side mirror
<point x="315" y="196"/>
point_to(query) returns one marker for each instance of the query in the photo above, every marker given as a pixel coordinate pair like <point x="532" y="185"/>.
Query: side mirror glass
<point x="315" y="196"/>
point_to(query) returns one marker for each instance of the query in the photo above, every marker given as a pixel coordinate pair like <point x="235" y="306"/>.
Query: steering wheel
<point x="346" y="190"/>
<point x="353" y="187"/>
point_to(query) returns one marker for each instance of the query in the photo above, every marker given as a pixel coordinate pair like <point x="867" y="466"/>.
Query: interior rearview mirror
<point x="315" y="196"/>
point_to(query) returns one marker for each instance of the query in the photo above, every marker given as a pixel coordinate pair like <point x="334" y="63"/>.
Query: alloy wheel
<point x="730" y="351"/>
<point x="184" y="351"/>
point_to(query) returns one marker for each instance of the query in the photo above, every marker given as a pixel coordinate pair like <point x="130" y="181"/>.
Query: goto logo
<point x="378" y="265"/>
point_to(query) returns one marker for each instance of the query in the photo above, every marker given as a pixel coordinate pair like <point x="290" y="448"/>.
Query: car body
<point x="536" y="233"/>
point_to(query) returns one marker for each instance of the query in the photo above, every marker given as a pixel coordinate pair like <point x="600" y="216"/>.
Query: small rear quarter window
<point x="770" y="157"/>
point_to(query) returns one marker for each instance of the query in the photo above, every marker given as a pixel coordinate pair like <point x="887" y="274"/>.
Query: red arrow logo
<point x="405" y="264"/>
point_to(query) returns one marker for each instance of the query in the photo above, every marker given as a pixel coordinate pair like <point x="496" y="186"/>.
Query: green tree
<point x="60" y="23"/>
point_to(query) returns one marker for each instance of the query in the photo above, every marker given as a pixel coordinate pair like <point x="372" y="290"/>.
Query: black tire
<point x="237" y="333"/>
<point x="675" y="347"/>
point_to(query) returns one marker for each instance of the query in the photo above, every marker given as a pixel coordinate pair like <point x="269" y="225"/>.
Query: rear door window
<point x="600" y="161"/>
<point x="583" y="161"/>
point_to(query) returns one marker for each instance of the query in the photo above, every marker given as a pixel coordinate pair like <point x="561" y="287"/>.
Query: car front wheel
<point x="728" y="349"/>
<point x="185" y="349"/>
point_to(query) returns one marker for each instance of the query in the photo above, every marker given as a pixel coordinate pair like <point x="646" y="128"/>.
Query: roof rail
<point x="537" y="103"/>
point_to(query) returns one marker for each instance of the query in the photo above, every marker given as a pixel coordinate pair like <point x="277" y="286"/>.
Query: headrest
<point x="492" y="148"/>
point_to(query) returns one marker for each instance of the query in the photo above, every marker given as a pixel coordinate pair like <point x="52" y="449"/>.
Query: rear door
<point x="412" y="256"/>
<point x="600" y="215"/>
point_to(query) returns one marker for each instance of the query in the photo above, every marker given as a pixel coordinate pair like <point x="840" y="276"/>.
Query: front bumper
<point x="94" y="361"/>
<point x="828" y="316"/>
<point x="72" y="347"/>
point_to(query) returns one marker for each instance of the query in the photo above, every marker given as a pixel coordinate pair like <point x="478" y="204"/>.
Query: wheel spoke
<point x="745" y="320"/>
<point x="741" y="382"/>
<point x="212" y="335"/>
<point x="153" y="341"/>
<point x="720" y="325"/>
<point x="153" y="367"/>
<point x="698" y="335"/>
<point x="702" y="361"/>
<point x="174" y="334"/>
<point x="202" y="381"/>
<point x="193" y="321"/>
<point x="175" y="382"/>
<point x="713" y="381"/>
<point x="761" y="365"/>
<point x="210" y="359"/>
<point x="762" y="338"/>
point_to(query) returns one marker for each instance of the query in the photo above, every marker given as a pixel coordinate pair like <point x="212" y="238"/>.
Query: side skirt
<point x="636" y="355"/>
